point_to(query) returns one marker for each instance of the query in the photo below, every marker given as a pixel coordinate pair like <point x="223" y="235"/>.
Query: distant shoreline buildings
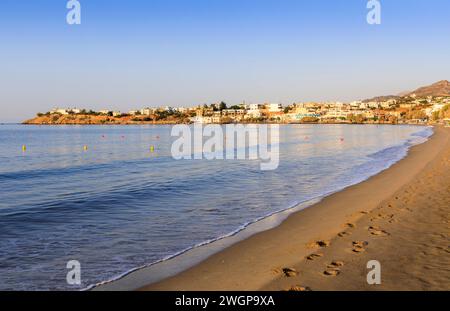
<point x="408" y="109"/>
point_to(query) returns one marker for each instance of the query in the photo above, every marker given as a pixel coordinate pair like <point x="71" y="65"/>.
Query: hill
<point x="441" y="88"/>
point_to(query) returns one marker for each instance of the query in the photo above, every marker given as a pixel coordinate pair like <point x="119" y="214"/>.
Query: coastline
<point x="86" y="120"/>
<point x="250" y="264"/>
<point x="177" y="265"/>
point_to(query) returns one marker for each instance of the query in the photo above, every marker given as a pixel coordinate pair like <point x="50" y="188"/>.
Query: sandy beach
<point x="399" y="217"/>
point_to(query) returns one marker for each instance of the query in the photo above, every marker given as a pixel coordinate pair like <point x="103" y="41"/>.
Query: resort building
<point x="274" y="107"/>
<point x="147" y="111"/>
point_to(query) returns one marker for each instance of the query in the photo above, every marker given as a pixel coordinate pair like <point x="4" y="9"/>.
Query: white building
<point x="60" y="111"/>
<point x="181" y="109"/>
<point x="336" y="113"/>
<point x="203" y="120"/>
<point x="147" y="111"/>
<point x="388" y="104"/>
<point x="436" y="107"/>
<point x="364" y="106"/>
<point x="356" y="104"/>
<point x="373" y="105"/>
<point x="254" y="107"/>
<point x="274" y="107"/>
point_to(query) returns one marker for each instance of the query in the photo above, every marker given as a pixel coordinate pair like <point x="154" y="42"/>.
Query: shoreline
<point x="250" y="264"/>
<point x="160" y="272"/>
<point x="246" y="123"/>
<point x="192" y="256"/>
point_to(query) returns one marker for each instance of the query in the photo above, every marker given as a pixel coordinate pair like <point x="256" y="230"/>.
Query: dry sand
<point x="399" y="217"/>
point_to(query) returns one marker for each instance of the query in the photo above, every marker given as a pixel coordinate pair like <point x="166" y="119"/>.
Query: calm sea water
<point x="117" y="206"/>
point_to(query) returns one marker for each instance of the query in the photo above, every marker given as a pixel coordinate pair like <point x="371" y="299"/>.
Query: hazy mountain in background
<point x="381" y="98"/>
<point x="441" y="88"/>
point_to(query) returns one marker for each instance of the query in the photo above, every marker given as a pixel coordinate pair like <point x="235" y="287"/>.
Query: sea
<point x="114" y="199"/>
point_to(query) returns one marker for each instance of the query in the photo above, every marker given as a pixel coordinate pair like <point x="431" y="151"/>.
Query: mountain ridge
<point x="440" y="88"/>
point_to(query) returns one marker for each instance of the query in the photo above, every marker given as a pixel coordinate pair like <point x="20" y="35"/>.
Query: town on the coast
<point x="423" y="107"/>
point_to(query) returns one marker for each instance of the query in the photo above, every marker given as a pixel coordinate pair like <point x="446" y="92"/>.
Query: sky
<point x="132" y="54"/>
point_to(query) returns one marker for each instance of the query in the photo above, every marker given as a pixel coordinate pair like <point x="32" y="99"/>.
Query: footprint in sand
<point x="314" y="256"/>
<point x="320" y="243"/>
<point x="290" y="272"/>
<point x="343" y="234"/>
<point x="382" y="216"/>
<point x="336" y="264"/>
<point x="333" y="268"/>
<point x="359" y="246"/>
<point x="377" y="231"/>
<point x="332" y="272"/>
<point x="299" y="288"/>
<point x="350" y="225"/>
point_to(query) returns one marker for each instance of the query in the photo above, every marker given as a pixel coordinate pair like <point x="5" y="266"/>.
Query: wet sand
<point x="399" y="217"/>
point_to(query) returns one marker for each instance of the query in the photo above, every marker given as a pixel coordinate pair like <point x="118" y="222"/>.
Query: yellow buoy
<point x="24" y="148"/>
<point x="85" y="148"/>
<point x="152" y="149"/>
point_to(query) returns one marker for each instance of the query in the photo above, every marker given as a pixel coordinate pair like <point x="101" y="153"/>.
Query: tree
<point x="222" y="106"/>
<point x="359" y="118"/>
<point x="436" y="115"/>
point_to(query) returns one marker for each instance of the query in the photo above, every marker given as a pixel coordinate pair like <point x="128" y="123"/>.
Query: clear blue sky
<point x="132" y="53"/>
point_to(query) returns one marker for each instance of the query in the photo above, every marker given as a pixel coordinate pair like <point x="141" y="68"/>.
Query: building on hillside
<point x="368" y="114"/>
<point x="435" y="108"/>
<point x="337" y="113"/>
<point x="388" y="104"/>
<point x="60" y="111"/>
<point x="274" y="107"/>
<point x="356" y="104"/>
<point x="373" y="105"/>
<point x="181" y="109"/>
<point x="147" y="111"/>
